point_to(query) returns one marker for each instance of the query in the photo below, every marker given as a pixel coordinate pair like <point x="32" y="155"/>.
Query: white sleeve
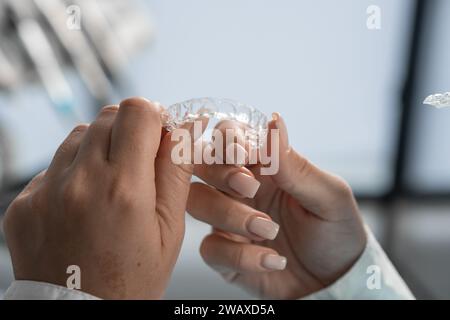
<point x="372" y="277"/>
<point x="33" y="290"/>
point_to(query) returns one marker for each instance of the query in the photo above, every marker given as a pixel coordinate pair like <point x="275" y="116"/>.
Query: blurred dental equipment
<point x="78" y="48"/>
<point x="60" y="61"/>
<point x="44" y="57"/>
<point x="438" y="100"/>
<point x="109" y="34"/>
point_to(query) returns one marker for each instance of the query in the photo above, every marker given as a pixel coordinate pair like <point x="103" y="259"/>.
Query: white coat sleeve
<point x="34" y="290"/>
<point x="372" y="277"/>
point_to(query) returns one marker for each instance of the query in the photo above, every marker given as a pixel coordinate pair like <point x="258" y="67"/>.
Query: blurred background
<point x="351" y="95"/>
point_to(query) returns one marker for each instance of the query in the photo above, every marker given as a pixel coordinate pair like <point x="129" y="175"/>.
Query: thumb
<point x="173" y="178"/>
<point x="318" y="191"/>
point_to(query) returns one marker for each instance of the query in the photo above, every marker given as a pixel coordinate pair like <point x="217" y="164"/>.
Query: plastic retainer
<point x="254" y="121"/>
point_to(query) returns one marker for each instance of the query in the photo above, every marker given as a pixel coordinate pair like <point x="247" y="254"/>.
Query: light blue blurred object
<point x="54" y="77"/>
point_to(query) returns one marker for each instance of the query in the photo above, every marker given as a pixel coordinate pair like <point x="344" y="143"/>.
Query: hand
<point x="321" y="233"/>
<point x="111" y="202"/>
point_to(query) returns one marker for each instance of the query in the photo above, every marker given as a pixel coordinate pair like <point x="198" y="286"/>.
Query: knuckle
<point x="22" y="211"/>
<point x="180" y="175"/>
<point x="71" y="194"/>
<point x="10" y="217"/>
<point x="135" y="101"/>
<point x="301" y="169"/>
<point x="342" y="189"/>
<point x="139" y="104"/>
<point x="109" y="108"/>
<point x="304" y="166"/>
<point x="80" y="128"/>
<point x="163" y="208"/>
<point x="173" y="225"/>
<point x="341" y="197"/>
<point x="228" y="218"/>
<point x="205" y="247"/>
<point x="102" y="120"/>
<point x="63" y="148"/>
<point x="73" y="191"/>
<point x="66" y="145"/>
<point x="121" y="194"/>
<point x="237" y="257"/>
<point x="94" y="129"/>
<point x="184" y="172"/>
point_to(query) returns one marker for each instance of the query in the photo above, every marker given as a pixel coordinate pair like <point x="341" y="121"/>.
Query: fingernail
<point x="274" y="262"/>
<point x="243" y="184"/>
<point x="281" y="125"/>
<point x="263" y="228"/>
<point x="236" y="154"/>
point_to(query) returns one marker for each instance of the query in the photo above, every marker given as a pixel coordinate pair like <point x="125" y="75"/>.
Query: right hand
<point x="321" y="232"/>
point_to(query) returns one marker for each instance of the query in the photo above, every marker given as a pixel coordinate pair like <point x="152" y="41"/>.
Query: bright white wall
<point x="335" y="82"/>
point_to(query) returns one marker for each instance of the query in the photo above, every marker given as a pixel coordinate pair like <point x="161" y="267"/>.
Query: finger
<point x="215" y="208"/>
<point x="136" y="135"/>
<point x="68" y="150"/>
<point x="230" y="143"/>
<point x="236" y="181"/>
<point x="173" y="178"/>
<point x="225" y="255"/>
<point x="97" y="141"/>
<point x="233" y="142"/>
<point x="318" y="191"/>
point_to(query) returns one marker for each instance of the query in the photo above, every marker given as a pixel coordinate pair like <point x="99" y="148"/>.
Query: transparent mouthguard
<point x="217" y="110"/>
<point x="438" y="100"/>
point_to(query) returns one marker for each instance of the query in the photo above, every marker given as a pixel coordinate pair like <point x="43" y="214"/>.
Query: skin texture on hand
<point x="313" y="214"/>
<point x="111" y="202"/>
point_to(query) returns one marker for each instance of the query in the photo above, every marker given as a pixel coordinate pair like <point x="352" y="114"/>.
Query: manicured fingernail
<point x="274" y="262"/>
<point x="243" y="184"/>
<point x="263" y="228"/>
<point x="236" y="154"/>
<point x="281" y="125"/>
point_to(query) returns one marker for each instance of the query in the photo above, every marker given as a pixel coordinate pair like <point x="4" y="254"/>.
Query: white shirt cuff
<point x="372" y="277"/>
<point x="34" y="290"/>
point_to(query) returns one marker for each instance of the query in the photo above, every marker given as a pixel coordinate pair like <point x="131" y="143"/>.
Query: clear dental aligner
<point x="438" y="100"/>
<point x="254" y="120"/>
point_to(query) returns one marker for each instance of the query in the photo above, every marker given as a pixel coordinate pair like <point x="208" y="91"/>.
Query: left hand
<point x="321" y="233"/>
<point x="112" y="202"/>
